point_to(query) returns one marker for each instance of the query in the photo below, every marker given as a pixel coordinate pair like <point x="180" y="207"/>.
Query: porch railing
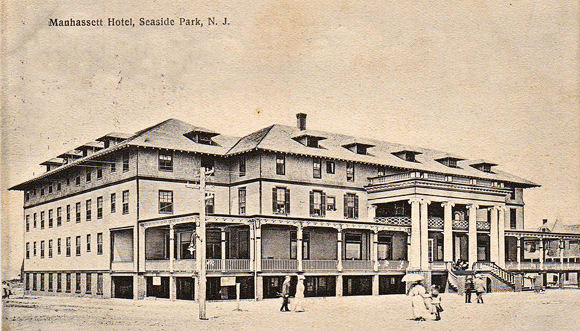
<point x="436" y="222"/>
<point x="279" y="264"/>
<point x="394" y="220"/>
<point x="460" y="225"/>
<point x="237" y="264"/>
<point x="532" y="266"/>
<point x="326" y="265"/>
<point x="363" y="265"/>
<point x="397" y="265"/>
<point x="391" y="178"/>
<point x="482" y="225"/>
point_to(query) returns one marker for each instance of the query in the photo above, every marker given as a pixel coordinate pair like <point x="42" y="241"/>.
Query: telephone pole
<point x="201" y="248"/>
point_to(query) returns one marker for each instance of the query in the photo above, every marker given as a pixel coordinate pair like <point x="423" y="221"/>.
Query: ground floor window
<point x="27" y="282"/>
<point x="185" y="288"/>
<point x="217" y="292"/>
<point x="99" y="284"/>
<point x="89" y="283"/>
<point x="78" y="283"/>
<point x="391" y="285"/>
<point x="157" y="287"/>
<point x="34" y="282"/>
<point x="59" y="282"/>
<point x="50" y="282"/>
<point x="68" y="283"/>
<point x="273" y="286"/>
<point x="320" y="286"/>
<point x="42" y="282"/>
<point x="357" y="285"/>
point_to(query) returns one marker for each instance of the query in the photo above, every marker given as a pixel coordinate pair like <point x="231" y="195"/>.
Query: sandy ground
<point x="554" y="310"/>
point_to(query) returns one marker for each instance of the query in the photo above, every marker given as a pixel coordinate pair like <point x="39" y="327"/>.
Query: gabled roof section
<point x="114" y="135"/>
<point x="53" y="161"/>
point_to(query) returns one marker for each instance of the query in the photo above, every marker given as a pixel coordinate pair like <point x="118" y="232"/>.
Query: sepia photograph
<point x="290" y="165"/>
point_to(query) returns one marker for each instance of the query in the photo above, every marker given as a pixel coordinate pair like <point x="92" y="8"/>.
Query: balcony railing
<point x="190" y="265"/>
<point x="395" y="265"/>
<point x="482" y="225"/>
<point x="214" y="265"/>
<point x="279" y="264"/>
<point x="394" y="220"/>
<point x="435" y="177"/>
<point x="535" y="266"/>
<point x="436" y="222"/>
<point x="362" y="265"/>
<point x="237" y="264"/>
<point x="319" y="265"/>
<point x="460" y="225"/>
<point x="391" y="178"/>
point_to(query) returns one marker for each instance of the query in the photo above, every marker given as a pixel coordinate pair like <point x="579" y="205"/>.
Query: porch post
<point x="424" y="234"/>
<point x="252" y="248"/>
<point x="299" y="245"/>
<point x="415" y="251"/>
<point x="501" y="229"/>
<point x="541" y="249"/>
<point x="519" y="252"/>
<point x="171" y="247"/>
<point x="223" y="247"/>
<point x="375" y="247"/>
<point x="472" y="251"/>
<point x="448" y="231"/>
<point x="339" y="285"/>
<point x="140" y="248"/>
<point x="375" y="285"/>
<point x="258" y="250"/>
<point x="339" y="254"/>
<point x="493" y="235"/>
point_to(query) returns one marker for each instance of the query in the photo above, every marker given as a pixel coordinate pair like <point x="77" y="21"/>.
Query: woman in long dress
<point x="418" y="295"/>
<point x="299" y="297"/>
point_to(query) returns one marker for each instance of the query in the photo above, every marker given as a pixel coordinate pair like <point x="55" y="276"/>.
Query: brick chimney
<point x="301" y="121"/>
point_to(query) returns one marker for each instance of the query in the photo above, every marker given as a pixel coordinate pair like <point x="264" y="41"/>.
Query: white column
<point x="472" y="231"/>
<point x="258" y="253"/>
<point x="541" y="253"/>
<point x="415" y="251"/>
<point x="339" y="254"/>
<point x="562" y="246"/>
<point x="519" y="252"/>
<point x="493" y="235"/>
<point x="425" y="234"/>
<point x="372" y="212"/>
<point x="171" y="247"/>
<point x="501" y="222"/>
<point x="375" y="250"/>
<point x="448" y="231"/>
<point x="299" y="245"/>
<point x="140" y="251"/>
<point x="223" y="247"/>
<point x="252" y="247"/>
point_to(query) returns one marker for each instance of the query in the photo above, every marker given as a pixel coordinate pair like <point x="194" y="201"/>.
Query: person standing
<point x="469" y="287"/>
<point x="436" y="308"/>
<point x="299" y="297"/>
<point x="479" y="288"/>
<point x="418" y="294"/>
<point x="285" y="294"/>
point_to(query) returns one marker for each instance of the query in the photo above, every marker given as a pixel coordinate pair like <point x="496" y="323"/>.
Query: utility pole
<point x="201" y="248"/>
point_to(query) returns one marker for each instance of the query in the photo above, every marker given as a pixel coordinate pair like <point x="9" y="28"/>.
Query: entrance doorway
<point x="123" y="287"/>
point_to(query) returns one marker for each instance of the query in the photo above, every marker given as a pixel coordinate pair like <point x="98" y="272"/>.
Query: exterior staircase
<point x="497" y="272"/>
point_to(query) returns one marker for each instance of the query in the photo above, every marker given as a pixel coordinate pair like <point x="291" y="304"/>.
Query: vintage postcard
<point x="290" y="165"/>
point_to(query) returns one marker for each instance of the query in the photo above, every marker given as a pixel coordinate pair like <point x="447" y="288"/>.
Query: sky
<point x="493" y="80"/>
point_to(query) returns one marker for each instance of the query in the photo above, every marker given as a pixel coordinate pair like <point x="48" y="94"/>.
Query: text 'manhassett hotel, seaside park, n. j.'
<point x="130" y="22"/>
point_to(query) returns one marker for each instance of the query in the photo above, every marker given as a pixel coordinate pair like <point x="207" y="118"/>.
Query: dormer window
<point x="449" y="161"/>
<point x="407" y="155"/>
<point x="358" y="147"/>
<point x="308" y="139"/>
<point x="202" y="136"/>
<point x="311" y="142"/>
<point x="484" y="166"/>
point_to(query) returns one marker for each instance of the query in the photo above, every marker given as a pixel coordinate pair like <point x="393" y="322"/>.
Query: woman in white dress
<point x="417" y="293"/>
<point x="299" y="297"/>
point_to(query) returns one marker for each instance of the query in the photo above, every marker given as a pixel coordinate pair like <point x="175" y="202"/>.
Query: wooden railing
<point x="532" y="266"/>
<point x="363" y="265"/>
<point x="279" y="264"/>
<point x="326" y="265"/>
<point x="237" y="264"/>
<point x="434" y="177"/>
<point x="394" y="220"/>
<point x="500" y="273"/>
<point x="396" y="265"/>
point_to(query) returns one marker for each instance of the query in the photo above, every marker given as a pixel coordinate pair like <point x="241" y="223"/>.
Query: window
<point x="50" y="188"/>
<point x="99" y="207"/>
<point x="78" y="212"/>
<point x="210" y="203"/>
<point x="42" y="281"/>
<point x="125" y="202"/>
<point x="100" y="243"/>
<point x="59" y="216"/>
<point x="99" y="172"/>
<point x="27" y="196"/>
<point x="59" y="282"/>
<point x="242" y="165"/>
<point x="68" y="181"/>
<point x="99" y="284"/>
<point x="58" y="246"/>
<point x="312" y="142"/>
<point x="242" y="201"/>
<point x="513" y="218"/>
<point x="88" y="242"/>
<point x="50" y="248"/>
<point x="50" y="218"/>
<point x="113" y="166"/>
<point x="68" y="246"/>
<point x="280" y="164"/>
<point x="68" y="213"/>
<point x="68" y="283"/>
<point x="512" y="194"/>
<point x="331" y="203"/>
<point x="187" y="241"/>
<point x="381" y="171"/>
<point x="350" y="171"/>
<point x="41" y="220"/>
<point x="165" y="161"/>
<point x="78" y="180"/>
<point x="113" y="203"/>
<point x="58" y="186"/>
<point x="42" y="191"/>
<point x="280" y="200"/>
<point x="353" y="246"/>
<point x="88" y="179"/>
<point x="317" y="168"/>
<point x="88" y="207"/>
<point x="385" y="244"/>
<point x="34" y="249"/>
<point x="27" y="223"/>
<point x="317" y="203"/>
<point x="42" y="249"/>
<point x="78" y="245"/>
<point x="88" y="287"/>
<point x="34" y="220"/>
<point x="27" y="251"/>
<point x="50" y="282"/>
<point x="78" y="283"/>
<point x="208" y="163"/>
<point x="350" y="206"/>
<point x="125" y="161"/>
<point x="27" y="282"/>
<point x="34" y="282"/>
<point x="294" y="245"/>
<point x="165" y="202"/>
<point x="330" y="167"/>
<point x="213" y="247"/>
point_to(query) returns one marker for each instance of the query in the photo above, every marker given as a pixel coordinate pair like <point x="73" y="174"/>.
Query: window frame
<point x="165" y="161"/>
<point x="242" y="205"/>
<point x="350" y="171"/>
<point x="280" y="164"/>
<point x="165" y="207"/>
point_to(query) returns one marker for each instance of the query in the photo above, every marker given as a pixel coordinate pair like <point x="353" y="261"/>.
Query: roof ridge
<point x="268" y="128"/>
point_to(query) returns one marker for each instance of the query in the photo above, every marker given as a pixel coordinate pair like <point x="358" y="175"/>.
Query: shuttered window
<point x="317" y="204"/>
<point x="350" y="206"/>
<point x="280" y="200"/>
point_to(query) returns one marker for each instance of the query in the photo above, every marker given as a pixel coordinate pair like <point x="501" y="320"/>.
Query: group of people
<point x="6" y="290"/>
<point x="476" y="285"/>
<point x="460" y="265"/>
<point x="425" y="304"/>
<point x="298" y="297"/>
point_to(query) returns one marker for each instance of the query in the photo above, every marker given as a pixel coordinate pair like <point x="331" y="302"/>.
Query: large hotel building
<point x="117" y="217"/>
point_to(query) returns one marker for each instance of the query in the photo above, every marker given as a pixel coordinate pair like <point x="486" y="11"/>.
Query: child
<point x="436" y="302"/>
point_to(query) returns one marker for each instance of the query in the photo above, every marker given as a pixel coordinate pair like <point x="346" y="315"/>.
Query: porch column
<point x="472" y="231"/>
<point x="299" y="245"/>
<point x="375" y="285"/>
<point x="172" y="288"/>
<point x="541" y="249"/>
<point x="493" y="235"/>
<point x="171" y="247"/>
<point x="415" y="251"/>
<point x="501" y="229"/>
<point x="252" y="248"/>
<point x="519" y="252"/>
<point x="140" y="234"/>
<point x="375" y="250"/>
<point x="562" y="246"/>
<point x="424" y="234"/>
<point x="223" y="247"/>
<point x="448" y="231"/>
<point x="258" y="250"/>
<point x="339" y="255"/>
<point x="339" y="285"/>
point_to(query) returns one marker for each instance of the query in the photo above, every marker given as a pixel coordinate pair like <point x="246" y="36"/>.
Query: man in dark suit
<point x="285" y="294"/>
